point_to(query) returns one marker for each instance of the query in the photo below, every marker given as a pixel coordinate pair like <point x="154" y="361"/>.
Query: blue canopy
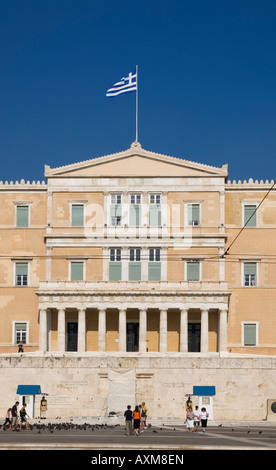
<point x="28" y="390"/>
<point x="203" y="390"/>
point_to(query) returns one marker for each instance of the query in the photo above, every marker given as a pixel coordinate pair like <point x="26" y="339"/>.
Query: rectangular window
<point x="155" y="210"/>
<point x="135" y="210"/>
<point x="77" y="271"/>
<point x="154" y="266"/>
<point x="249" y="334"/>
<point x="134" y="267"/>
<point x="193" y="271"/>
<point x="20" y="332"/>
<point x="116" y="209"/>
<point x="77" y="215"/>
<point x="22" y="216"/>
<point x="115" y="265"/>
<point x="250" y="219"/>
<point x="250" y="274"/>
<point x="21" y="274"/>
<point x="193" y="214"/>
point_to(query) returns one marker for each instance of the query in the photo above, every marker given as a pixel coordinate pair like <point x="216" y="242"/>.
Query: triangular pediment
<point x="135" y="162"/>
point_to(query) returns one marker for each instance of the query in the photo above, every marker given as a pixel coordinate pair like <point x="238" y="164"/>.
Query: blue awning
<point x="28" y="390"/>
<point x="204" y="390"/>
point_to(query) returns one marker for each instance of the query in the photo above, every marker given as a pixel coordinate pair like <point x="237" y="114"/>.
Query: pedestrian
<point x="20" y="347"/>
<point x="128" y="419"/>
<point x="23" y="419"/>
<point x="136" y="420"/>
<point x="203" y="418"/>
<point x="8" y="419"/>
<point x="14" y="414"/>
<point x="196" y="418"/>
<point x="146" y="414"/>
<point x="43" y="408"/>
<point x="190" y="419"/>
<point x="142" y="417"/>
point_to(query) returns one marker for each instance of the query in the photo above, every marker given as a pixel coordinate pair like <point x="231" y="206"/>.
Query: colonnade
<point x="122" y="346"/>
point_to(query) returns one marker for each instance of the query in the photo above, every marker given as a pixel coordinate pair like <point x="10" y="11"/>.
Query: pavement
<point x="163" y="435"/>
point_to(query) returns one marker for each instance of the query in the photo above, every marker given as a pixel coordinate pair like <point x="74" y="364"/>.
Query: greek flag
<point x="125" y="85"/>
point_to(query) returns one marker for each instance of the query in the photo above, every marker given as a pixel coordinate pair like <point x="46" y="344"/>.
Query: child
<point x="8" y="419"/>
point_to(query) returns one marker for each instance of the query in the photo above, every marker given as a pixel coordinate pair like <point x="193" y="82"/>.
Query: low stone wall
<point x="79" y="385"/>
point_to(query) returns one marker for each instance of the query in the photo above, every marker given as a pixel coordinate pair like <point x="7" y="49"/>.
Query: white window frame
<point x="20" y="261"/>
<point x="116" y="252"/>
<point x="135" y="249"/>
<point x="154" y="254"/>
<point x="155" y="196"/>
<point x="257" y="273"/>
<point x="13" y="331"/>
<point x="76" y="260"/>
<point x="135" y="196"/>
<point x="249" y="203"/>
<point x="192" y="203"/>
<point x="77" y="203"/>
<point x="113" y="201"/>
<point x="243" y="323"/>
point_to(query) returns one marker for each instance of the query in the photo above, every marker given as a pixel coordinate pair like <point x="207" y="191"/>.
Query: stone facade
<point x="152" y="265"/>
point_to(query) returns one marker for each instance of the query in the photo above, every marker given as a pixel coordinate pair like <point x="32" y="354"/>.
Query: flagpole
<point x="136" y="103"/>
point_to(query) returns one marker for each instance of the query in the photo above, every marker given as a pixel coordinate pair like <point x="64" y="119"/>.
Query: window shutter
<point x="248" y="212"/>
<point x="134" y="271"/>
<point x="21" y="269"/>
<point x="76" y="271"/>
<point x="250" y="334"/>
<point x="155" y="215"/>
<point x="192" y="271"/>
<point x="250" y="268"/>
<point x="154" y="271"/>
<point x="115" y="270"/>
<point x="22" y="215"/>
<point x="134" y="215"/>
<point x="77" y="215"/>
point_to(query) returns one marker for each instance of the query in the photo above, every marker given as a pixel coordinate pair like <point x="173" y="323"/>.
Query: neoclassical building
<point x="138" y="254"/>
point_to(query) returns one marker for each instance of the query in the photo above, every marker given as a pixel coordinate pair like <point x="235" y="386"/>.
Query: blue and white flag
<point x="125" y="85"/>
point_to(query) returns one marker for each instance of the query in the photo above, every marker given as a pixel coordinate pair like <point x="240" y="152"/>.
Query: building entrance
<point x="132" y="340"/>
<point x="194" y="337"/>
<point x="72" y="336"/>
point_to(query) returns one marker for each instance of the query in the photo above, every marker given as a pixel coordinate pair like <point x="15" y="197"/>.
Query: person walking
<point x="145" y="414"/>
<point x="136" y="421"/>
<point x="128" y="420"/>
<point x="203" y="418"/>
<point x="190" y="419"/>
<point x="23" y="419"/>
<point x="196" y="418"/>
<point x="8" y="419"/>
<point x="14" y="414"/>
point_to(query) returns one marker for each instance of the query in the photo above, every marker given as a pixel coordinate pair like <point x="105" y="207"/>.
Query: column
<point x="143" y="331"/>
<point x="122" y="330"/>
<point x="81" y="330"/>
<point x="223" y="330"/>
<point x="61" y="330"/>
<point x="43" y="330"/>
<point x="204" y="346"/>
<point x="163" y="331"/>
<point x="184" y="330"/>
<point x="102" y="330"/>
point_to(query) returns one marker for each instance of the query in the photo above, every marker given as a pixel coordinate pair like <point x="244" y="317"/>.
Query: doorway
<point x="132" y="340"/>
<point x="206" y="402"/>
<point x="194" y="337"/>
<point x="72" y="336"/>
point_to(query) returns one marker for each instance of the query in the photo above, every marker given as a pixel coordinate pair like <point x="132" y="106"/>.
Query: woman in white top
<point x="203" y="418"/>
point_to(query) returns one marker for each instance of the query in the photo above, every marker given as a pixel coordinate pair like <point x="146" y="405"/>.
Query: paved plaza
<point x="159" y="436"/>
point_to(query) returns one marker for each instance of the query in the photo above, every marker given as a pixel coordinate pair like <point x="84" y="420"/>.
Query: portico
<point x="160" y="315"/>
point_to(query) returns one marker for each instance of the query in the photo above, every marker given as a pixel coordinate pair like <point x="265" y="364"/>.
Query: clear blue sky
<point x="207" y="82"/>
